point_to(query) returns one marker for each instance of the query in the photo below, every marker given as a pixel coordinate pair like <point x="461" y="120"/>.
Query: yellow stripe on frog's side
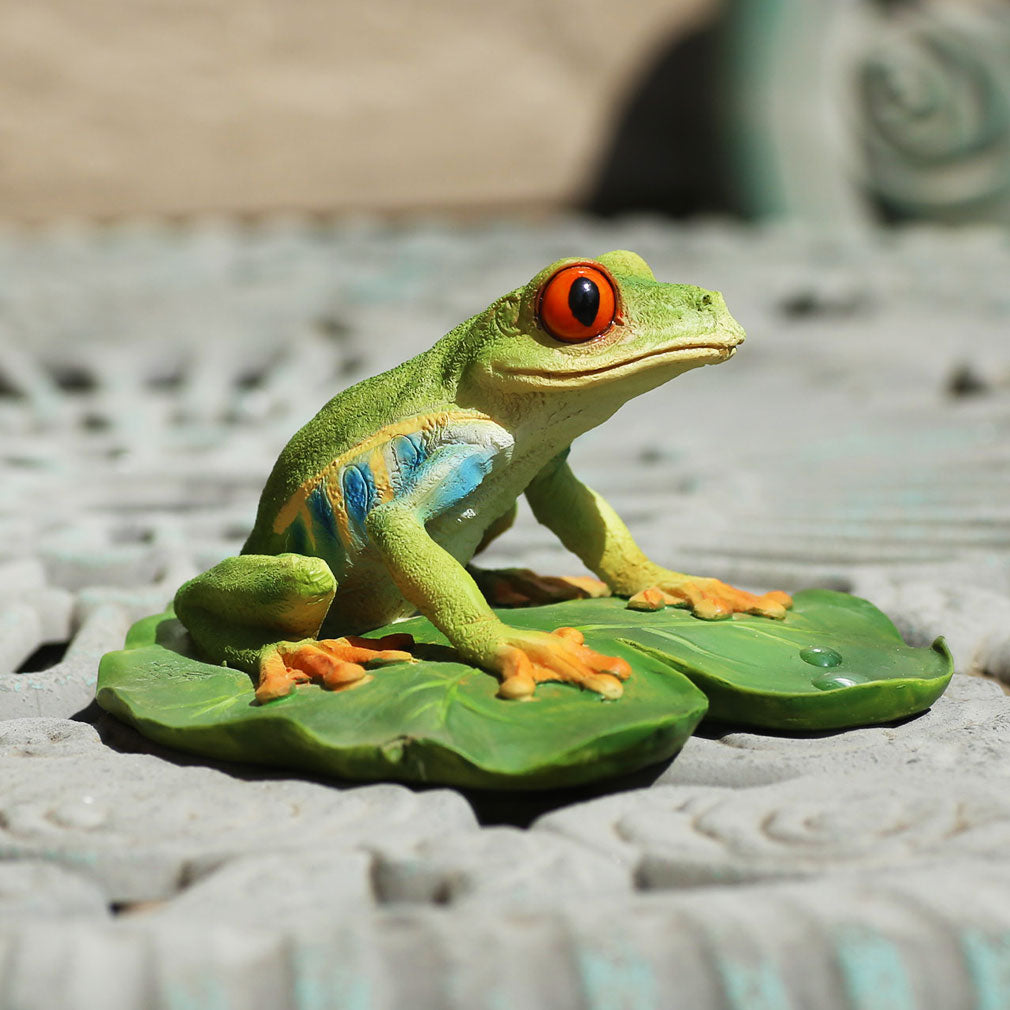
<point x="305" y="518"/>
<point x="295" y="506"/>
<point x="340" y="517"/>
<point x="380" y="473"/>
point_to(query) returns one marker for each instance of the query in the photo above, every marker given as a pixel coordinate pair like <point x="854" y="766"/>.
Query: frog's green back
<point x="349" y="418"/>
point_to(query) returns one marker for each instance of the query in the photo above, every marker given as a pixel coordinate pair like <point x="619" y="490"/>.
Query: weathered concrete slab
<point x="142" y="827"/>
<point x="912" y="938"/>
<point x="860" y="440"/>
<point x="967" y="732"/>
<point x="686" y="836"/>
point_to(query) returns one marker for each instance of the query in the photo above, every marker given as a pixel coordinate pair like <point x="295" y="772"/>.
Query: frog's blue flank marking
<point x="359" y="491"/>
<point x="324" y="523"/>
<point x="320" y="508"/>
<point x="465" y="476"/>
<point x="326" y="516"/>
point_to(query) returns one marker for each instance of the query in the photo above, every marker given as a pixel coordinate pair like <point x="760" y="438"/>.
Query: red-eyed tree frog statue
<point x="376" y="507"/>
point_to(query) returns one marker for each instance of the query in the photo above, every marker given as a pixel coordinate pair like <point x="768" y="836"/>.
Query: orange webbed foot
<point x="334" y="663"/>
<point x="530" y="658"/>
<point x="711" y="599"/>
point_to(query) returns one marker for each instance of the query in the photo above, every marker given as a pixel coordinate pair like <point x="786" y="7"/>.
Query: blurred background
<point x="830" y="110"/>
<point x="215" y="216"/>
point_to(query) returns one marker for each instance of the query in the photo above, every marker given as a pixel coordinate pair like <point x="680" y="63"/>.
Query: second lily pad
<point x="836" y="661"/>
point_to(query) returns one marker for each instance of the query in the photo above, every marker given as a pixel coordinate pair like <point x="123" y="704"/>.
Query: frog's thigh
<point x="255" y="598"/>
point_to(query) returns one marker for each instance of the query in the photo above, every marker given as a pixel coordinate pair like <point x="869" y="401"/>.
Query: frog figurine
<point x="377" y="505"/>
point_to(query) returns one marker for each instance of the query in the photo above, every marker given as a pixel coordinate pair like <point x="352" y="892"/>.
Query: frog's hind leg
<point x="520" y="587"/>
<point x="262" y="613"/>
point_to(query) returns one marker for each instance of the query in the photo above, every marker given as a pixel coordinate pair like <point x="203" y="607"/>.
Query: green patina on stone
<point x="439" y="721"/>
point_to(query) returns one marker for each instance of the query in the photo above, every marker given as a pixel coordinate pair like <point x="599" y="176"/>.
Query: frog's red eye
<point x="577" y="303"/>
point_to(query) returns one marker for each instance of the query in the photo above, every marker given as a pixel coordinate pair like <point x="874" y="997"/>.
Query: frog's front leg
<point x="591" y="529"/>
<point x="262" y="613"/>
<point x="438" y="585"/>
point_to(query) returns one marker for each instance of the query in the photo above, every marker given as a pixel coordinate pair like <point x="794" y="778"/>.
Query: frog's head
<point x="605" y="327"/>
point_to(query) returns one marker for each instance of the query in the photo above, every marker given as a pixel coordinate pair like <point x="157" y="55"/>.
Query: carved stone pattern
<point x="149" y="376"/>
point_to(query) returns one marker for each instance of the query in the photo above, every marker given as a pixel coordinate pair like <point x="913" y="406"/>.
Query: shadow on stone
<point x="665" y="153"/>
<point x="520" y="808"/>
<point x="44" y="657"/>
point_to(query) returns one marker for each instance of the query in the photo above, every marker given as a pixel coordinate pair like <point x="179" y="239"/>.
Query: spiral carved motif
<point x="694" y="836"/>
<point x="932" y="91"/>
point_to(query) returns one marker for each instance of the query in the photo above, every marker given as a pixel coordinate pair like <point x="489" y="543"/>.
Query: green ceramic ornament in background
<point x="439" y="721"/>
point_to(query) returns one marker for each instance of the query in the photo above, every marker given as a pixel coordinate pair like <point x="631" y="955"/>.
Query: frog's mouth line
<point x="671" y="353"/>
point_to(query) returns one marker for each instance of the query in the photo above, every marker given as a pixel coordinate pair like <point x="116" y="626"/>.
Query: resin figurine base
<point x="834" y="662"/>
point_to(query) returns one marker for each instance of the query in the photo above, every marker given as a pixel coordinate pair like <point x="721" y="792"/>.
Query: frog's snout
<point x="730" y="332"/>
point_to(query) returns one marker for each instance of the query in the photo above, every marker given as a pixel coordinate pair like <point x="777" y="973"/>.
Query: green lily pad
<point x="435" y="721"/>
<point x="835" y="661"/>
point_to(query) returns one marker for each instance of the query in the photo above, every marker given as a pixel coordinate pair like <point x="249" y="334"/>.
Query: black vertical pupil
<point x="584" y="300"/>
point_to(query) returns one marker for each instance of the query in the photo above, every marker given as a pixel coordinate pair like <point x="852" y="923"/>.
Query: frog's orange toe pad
<point x="650" y="599"/>
<point x="560" y="656"/>
<point x="779" y="597"/>
<point x="334" y="663"/>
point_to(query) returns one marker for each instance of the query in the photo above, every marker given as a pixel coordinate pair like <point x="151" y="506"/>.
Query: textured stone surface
<point x="34" y="889"/>
<point x="686" y="836"/>
<point x="141" y="826"/>
<point x="859" y="441"/>
<point x="69" y="686"/>
<point x="498" y="867"/>
<point x="302" y="886"/>
<point x="922" y="939"/>
<point x="966" y="730"/>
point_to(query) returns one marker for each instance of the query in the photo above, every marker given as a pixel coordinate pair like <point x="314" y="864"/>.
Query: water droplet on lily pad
<point x="820" y="655"/>
<point x="833" y="681"/>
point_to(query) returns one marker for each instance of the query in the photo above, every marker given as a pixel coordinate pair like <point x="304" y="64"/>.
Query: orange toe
<point x="777" y="596"/>
<point x="334" y="663"/>
<point x="535" y="658"/>
<point x="650" y="599"/>
<point x="517" y="676"/>
<point x="711" y="599"/>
